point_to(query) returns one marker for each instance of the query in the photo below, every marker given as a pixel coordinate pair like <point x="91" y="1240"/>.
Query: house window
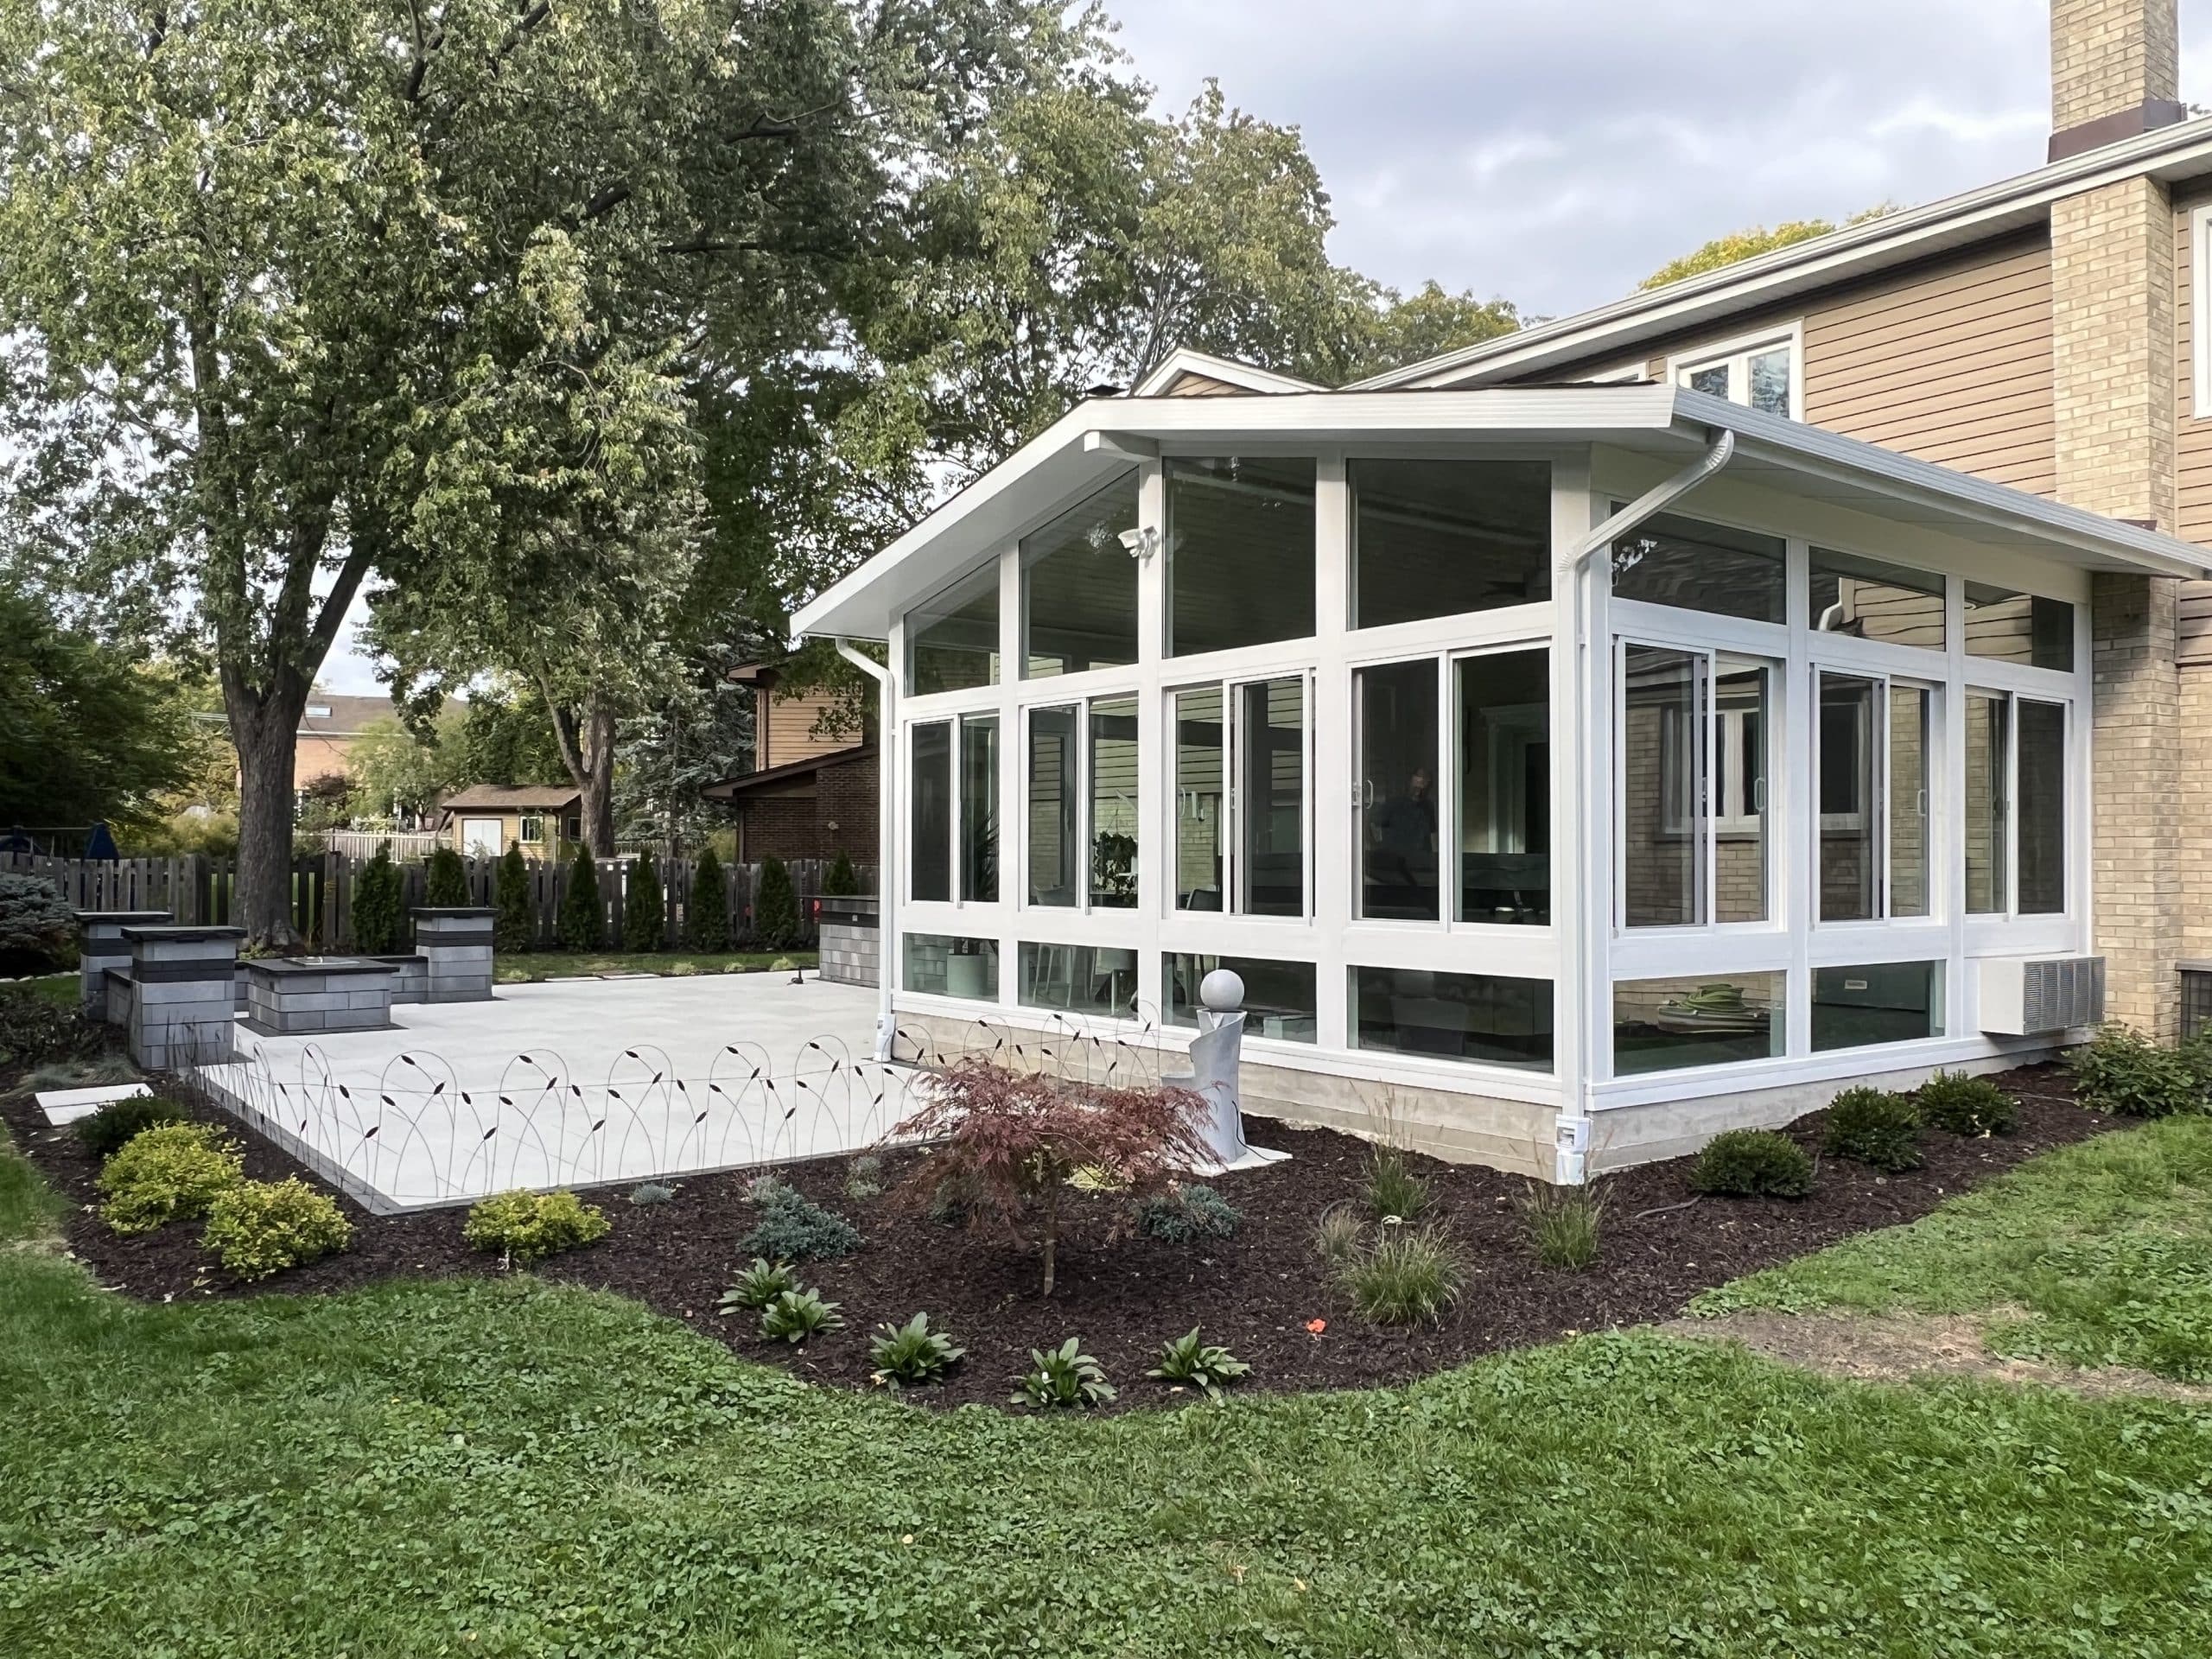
<point x="1760" y="373"/>
<point x="930" y="787"/>
<point x="1871" y="781"/>
<point x="1079" y="587"/>
<point x="1279" y="996"/>
<point x="1866" y="599"/>
<point x="1079" y="978"/>
<point x="1053" y="786"/>
<point x="1397" y="722"/>
<point x="575" y="830"/>
<point x="1242" y="847"/>
<point x="1880" y="1002"/>
<point x="1114" y="828"/>
<point x="1442" y="538"/>
<point x="1240" y="552"/>
<point x="943" y="966"/>
<point x="1501" y="750"/>
<point x="952" y="642"/>
<point x="531" y="830"/>
<point x="1693" y="754"/>
<point x="979" y="809"/>
<point x="2008" y="626"/>
<point x="1699" y="567"/>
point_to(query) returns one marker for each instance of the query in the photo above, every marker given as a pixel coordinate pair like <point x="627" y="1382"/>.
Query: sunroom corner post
<point x="1580" y="911"/>
<point x="1333" y="784"/>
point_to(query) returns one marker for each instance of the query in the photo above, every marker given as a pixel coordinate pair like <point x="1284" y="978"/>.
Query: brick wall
<point x="2111" y="56"/>
<point x="837" y="815"/>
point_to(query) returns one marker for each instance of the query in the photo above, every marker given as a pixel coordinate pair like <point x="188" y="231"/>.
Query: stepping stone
<point x="629" y="974"/>
<point x="67" y="1105"/>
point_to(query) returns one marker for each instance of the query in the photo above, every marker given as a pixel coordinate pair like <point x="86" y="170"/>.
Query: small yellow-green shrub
<point x="527" y="1226"/>
<point x="169" y="1173"/>
<point x="258" y="1227"/>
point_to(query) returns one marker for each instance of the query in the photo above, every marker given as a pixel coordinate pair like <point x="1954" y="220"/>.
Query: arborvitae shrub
<point x="445" y="886"/>
<point x="579" y="914"/>
<point x="842" y="881"/>
<point x="514" y="923"/>
<point x="1962" y="1105"/>
<point x="706" y="924"/>
<point x="643" y="912"/>
<point x="775" y="906"/>
<point x="1875" y="1128"/>
<point x="379" y="920"/>
<point x="1752" y="1163"/>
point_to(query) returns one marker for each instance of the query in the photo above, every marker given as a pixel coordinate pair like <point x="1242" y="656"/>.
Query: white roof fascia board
<point x="1184" y="360"/>
<point x="1096" y="438"/>
<point x="2169" y="154"/>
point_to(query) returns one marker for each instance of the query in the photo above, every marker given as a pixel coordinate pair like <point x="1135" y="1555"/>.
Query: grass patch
<point x="527" y="969"/>
<point x="2106" y="1245"/>
<point x="63" y="990"/>
<point x="510" y="1468"/>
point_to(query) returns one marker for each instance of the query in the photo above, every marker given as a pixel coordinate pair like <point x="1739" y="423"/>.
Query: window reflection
<point x="1240" y="552"/>
<point x="1487" y="1018"/>
<point x="952" y="642"/>
<point x="1504" y="758"/>
<point x="1079" y="587"/>
<point x="1053" y="805"/>
<point x="1397" y="790"/>
<point x="1707" y="1019"/>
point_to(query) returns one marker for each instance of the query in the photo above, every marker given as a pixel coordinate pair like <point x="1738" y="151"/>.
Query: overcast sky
<point x="1556" y="154"/>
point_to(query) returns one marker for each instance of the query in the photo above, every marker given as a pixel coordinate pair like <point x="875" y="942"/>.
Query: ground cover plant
<point x="793" y="1227"/>
<point x="1188" y="1215"/>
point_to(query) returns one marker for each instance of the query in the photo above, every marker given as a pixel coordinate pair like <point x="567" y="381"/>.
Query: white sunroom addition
<point x="1569" y="773"/>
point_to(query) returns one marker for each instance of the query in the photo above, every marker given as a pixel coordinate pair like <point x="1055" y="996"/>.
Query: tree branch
<point x="605" y="202"/>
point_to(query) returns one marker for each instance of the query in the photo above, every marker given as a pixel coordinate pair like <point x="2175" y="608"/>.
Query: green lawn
<point x="513" y="969"/>
<point x="61" y="989"/>
<point x="512" y="1468"/>
<point x="2100" y="1254"/>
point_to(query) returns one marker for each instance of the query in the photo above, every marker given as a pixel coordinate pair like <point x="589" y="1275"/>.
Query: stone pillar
<point x="2115" y="71"/>
<point x="851" y="946"/>
<point x="100" y="946"/>
<point x="183" y="995"/>
<point x="455" y="945"/>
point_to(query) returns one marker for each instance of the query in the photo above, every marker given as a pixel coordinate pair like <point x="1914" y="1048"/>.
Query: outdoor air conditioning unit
<point x="2021" y="995"/>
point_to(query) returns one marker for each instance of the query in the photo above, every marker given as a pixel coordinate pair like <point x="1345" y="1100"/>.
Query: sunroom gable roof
<point x="1098" y="438"/>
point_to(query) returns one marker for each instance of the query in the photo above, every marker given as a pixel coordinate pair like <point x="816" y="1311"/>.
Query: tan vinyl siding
<point x="2192" y="446"/>
<point x="1188" y="384"/>
<point x="791" y="731"/>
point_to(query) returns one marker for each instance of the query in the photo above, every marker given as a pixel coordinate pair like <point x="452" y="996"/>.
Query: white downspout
<point x="887" y="827"/>
<point x="1574" y="1126"/>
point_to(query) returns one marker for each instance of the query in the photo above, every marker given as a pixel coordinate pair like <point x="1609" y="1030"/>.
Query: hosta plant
<point x="1064" y="1376"/>
<point x="1192" y="1361"/>
<point x="795" y="1315"/>
<point x="758" y="1286"/>
<point x="907" y="1356"/>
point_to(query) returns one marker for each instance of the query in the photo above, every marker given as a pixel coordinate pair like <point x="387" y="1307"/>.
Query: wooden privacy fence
<point x="200" y="892"/>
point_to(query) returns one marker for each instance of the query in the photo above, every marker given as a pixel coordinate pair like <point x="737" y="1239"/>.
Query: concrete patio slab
<point x="575" y="1083"/>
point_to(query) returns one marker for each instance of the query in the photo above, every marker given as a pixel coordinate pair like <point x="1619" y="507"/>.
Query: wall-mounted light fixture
<point x="1141" y="544"/>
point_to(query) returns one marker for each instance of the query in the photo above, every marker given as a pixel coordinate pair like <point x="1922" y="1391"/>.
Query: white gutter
<point x="887" y="826"/>
<point x="1571" y="1168"/>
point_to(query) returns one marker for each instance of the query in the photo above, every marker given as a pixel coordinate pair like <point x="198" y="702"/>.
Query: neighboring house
<point x="1573" y="770"/>
<point x="810" y="794"/>
<point x="484" y="820"/>
<point x="328" y="727"/>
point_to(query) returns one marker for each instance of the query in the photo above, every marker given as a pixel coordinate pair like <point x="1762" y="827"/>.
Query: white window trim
<point x="1737" y="353"/>
<point x="2200" y="320"/>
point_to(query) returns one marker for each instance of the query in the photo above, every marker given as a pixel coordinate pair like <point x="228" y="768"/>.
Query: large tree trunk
<point x="264" y="726"/>
<point x="586" y="739"/>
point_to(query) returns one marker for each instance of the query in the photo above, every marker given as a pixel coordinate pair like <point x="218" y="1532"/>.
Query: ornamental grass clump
<point x="1409" y="1275"/>
<point x="525" y="1226"/>
<point x="1564" y="1223"/>
<point x="1875" y="1128"/>
<point x="114" y="1126"/>
<point x="2124" y="1072"/>
<point x="1752" y="1164"/>
<point x="260" y="1228"/>
<point x="1015" y="1141"/>
<point x="1394" y="1192"/>
<point x="1958" y="1104"/>
<point x="172" y="1172"/>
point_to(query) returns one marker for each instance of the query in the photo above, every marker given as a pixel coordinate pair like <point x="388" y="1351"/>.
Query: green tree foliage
<point x="775" y="906"/>
<point x="582" y="924"/>
<point x="445" y="880"/>
<point x="379" y="918"/>
<point x="514" y="923"/>
<point x="842" y="880"/>
<point x="706" y="921"/>
<point x="86" y="731"/>
<point x="1739" y="245"/>
<point x="1408" y="328"/>
<point x="396" y="774"/>
<point x="644" y="909"/>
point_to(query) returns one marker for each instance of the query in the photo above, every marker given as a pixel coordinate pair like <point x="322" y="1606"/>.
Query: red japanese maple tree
<point x="1011" y="1140"/>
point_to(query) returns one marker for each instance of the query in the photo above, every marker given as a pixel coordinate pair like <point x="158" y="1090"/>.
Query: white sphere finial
<point x="1221" y="992"/>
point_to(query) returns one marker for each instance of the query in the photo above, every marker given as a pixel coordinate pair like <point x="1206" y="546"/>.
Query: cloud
<point x="1556" y="154"/>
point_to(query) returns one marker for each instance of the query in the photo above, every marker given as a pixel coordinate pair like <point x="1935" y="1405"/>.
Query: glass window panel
<point x="2016" y="628"/>
<point x="1079" y="978"/>
<point x="1865" y="599"/>
<point x="931" y="790"/>
<point x="1114" y="803"/>
<point x="1699" y="567"/>
<point x="952" y="642"/>
<point x="1503" y="730"/>
<point x="1271" y="797"/>
<point x="1485" y="1019"/>
<point x="1055" y="839"/>
<point x="1240" y="552"/>
<point x="1848" y="885"/>
<point x="943" y="966"/>
<point x="1741" y="733"/>
<point x="1770" y="380"/>
<point x="1439" y="537"/>
<point x="1987" y="806"/>
<point x="1908" y="800"/>
<point x="1660" y="1025"/>
<point x="1397" y="790"/>
<point x="1882" y="1002"/>
<point x="1713" y="379"/>
<point x="1662" y="751"/>
<point x="979" y="809"/>
<point x="1279" y="996"/>
<point x="1079" y="587"/>
<point x="2041" y="772"/>
<point x="1199" y="794"/>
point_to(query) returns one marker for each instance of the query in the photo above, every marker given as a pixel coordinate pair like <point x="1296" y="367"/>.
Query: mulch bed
<point x="1254" y="1293"/>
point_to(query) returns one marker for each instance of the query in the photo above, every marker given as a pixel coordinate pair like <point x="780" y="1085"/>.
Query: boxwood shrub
<point x="1875" y="1128"/>
<point x="1958" y="1104"/>
<point x="1752" y="1164"/>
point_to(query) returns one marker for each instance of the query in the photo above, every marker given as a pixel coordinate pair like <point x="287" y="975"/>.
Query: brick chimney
<point x="2115" y="71"/>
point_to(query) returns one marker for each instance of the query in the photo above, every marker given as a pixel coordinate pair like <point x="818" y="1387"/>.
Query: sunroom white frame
<point x="1605" y="444"/>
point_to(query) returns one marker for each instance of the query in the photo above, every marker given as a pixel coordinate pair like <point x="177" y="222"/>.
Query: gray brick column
<point x="455" y="945"/>
<point x="100" y="946"/>
<point x="183" y="995"/>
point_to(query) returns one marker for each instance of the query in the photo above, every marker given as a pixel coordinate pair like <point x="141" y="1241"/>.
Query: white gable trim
<point x="1183" y="361"/>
